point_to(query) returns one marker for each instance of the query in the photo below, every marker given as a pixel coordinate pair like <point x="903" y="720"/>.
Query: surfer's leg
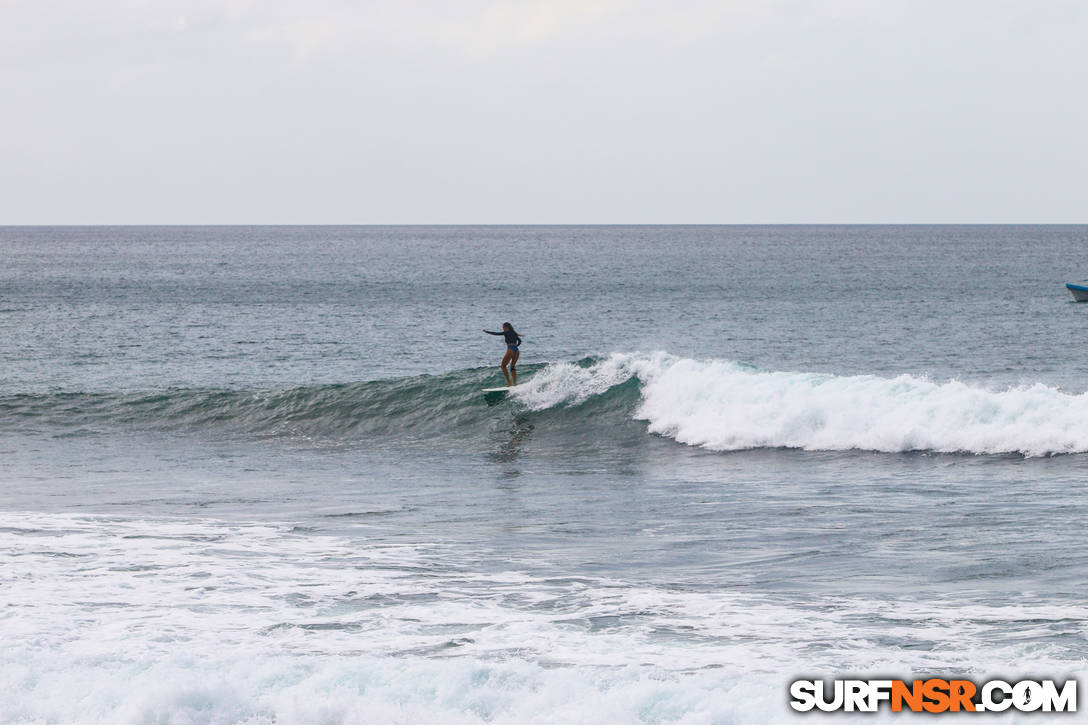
<point x="515" y="354"/>
<point x="505" y="362"/>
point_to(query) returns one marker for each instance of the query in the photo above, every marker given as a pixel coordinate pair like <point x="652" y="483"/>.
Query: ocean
<point x="247" y="474"/>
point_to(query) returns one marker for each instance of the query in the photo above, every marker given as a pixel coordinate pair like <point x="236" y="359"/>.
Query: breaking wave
<point x="724" y="405"/>
<point x="719" y="405"/>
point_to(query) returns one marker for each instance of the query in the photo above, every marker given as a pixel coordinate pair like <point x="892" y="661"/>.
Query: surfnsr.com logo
<point x="933" y="695"/>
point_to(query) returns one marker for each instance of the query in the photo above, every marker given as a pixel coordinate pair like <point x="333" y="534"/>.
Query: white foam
<point x="570" y="384"/>
<point x="723" y="405"/>
<point x="119" y="620"/>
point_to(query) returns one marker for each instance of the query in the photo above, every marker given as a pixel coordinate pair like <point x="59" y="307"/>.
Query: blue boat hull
<point x="1080" y="292"/>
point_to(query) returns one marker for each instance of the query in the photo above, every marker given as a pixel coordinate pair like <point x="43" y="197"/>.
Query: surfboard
<point x="503" y="389"/>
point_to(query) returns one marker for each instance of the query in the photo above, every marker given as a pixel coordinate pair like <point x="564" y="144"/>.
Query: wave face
<point x="421" y="403"/>
<point x="723" y="405"/>
<point x="714" y="404"/>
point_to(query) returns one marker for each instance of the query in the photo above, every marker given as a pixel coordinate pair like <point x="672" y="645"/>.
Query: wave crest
<point x="725" y="405"/>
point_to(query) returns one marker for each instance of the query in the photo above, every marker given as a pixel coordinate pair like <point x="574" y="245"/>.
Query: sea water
<point x="247" y="474"/>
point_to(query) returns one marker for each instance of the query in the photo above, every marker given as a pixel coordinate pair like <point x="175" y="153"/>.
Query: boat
<point x="1080" y="292"/>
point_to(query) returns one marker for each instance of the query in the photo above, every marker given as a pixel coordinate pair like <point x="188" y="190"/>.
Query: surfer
<point x="513" y="340"/>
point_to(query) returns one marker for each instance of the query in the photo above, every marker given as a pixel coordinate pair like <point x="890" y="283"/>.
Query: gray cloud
<point x="542" y="111"/>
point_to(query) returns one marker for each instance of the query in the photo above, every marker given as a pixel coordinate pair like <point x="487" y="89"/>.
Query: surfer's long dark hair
<point x="508" y="326"/>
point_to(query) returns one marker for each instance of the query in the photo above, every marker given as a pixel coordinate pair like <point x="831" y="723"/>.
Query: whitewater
<point x="141" y="620"/>
<point x="725" y="405"/>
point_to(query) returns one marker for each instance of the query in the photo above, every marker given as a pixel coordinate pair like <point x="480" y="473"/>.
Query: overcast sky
<point x="543" y="111"/>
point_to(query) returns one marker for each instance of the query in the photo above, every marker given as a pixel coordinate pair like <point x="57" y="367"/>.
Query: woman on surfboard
<point x="513" y="340"/>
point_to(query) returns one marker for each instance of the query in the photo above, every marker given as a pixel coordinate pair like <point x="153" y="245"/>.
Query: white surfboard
<point x="496" y="390"/>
